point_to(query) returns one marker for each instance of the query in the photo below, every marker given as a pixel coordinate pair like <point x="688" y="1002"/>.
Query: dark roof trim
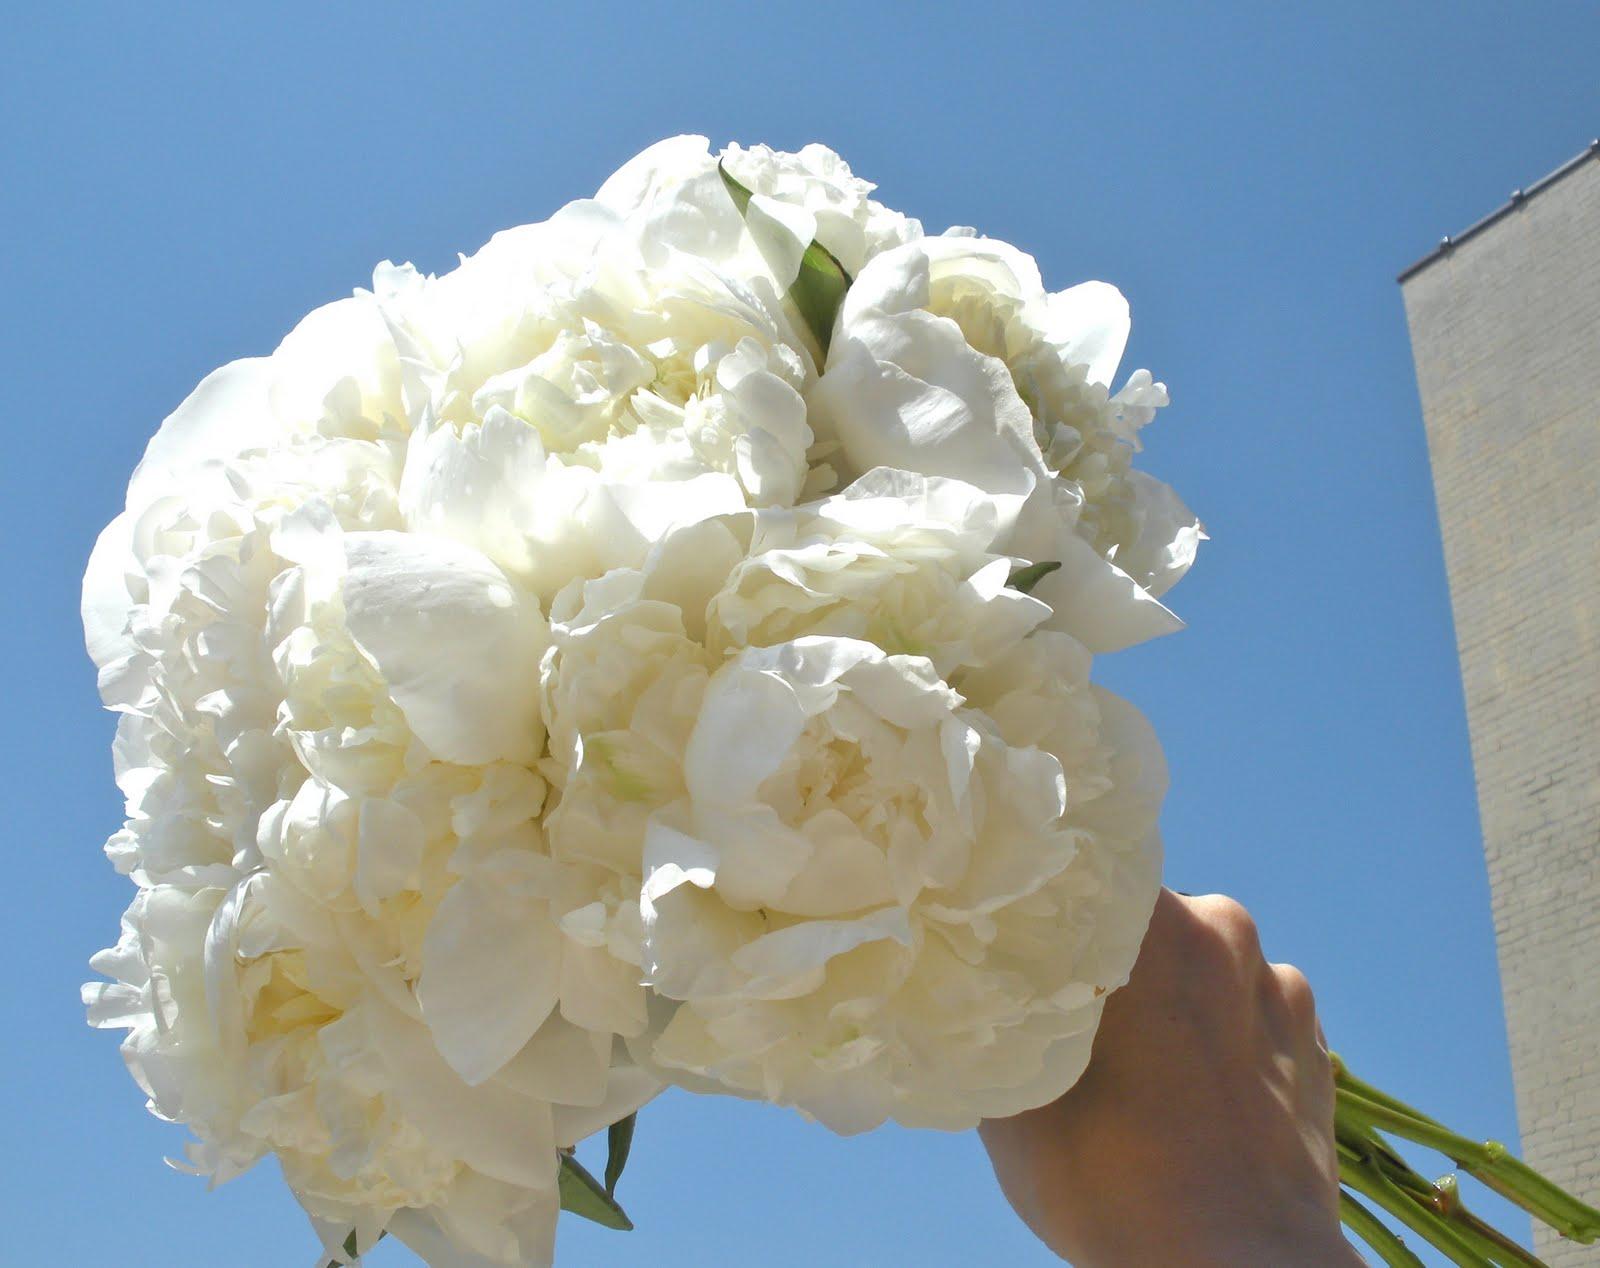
<point x="1518" y="197"/>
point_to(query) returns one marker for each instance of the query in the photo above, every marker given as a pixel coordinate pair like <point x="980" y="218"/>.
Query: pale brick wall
<point x="1505" y="329"/>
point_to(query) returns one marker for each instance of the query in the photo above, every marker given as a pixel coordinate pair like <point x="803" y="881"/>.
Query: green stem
<point x="1488" y="1162"/>
<point x="1489" y="1239"/>
<point x="1399" y="1171"/>
<point x="1359" y="1145"/>
<point x="1370" y="1229"/>
<point x="1367" y="1180"/>
<point x="1475" y="1233"/>
<point x="1346" y="1081"/>
<point x="1361" y="1149"/>
<point x="1367" y="1158"/>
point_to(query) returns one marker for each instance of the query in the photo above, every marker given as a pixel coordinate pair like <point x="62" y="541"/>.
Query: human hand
<point x="1202" y="1132"/>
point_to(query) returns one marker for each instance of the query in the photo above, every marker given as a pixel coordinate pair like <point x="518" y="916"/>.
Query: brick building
<point x="1505" y="331"/>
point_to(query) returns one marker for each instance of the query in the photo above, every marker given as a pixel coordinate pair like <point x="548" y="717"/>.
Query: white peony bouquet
<point x="654" y="652"/>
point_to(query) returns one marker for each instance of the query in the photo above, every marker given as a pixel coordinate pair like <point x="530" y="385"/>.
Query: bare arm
<point x="1202" y="1132"/>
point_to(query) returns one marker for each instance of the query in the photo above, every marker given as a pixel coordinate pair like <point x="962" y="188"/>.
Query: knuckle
<point x="1296" y="990"/>
<point x="1229" y="918"/>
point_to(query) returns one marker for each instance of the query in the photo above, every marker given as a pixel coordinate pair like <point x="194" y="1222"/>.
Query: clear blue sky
<point x="179" y="185"/>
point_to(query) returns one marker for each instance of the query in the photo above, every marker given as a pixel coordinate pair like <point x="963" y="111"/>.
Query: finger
<point x="1296" y="993"/>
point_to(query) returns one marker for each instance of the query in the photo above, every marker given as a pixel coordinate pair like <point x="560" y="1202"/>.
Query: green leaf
<point x="819" y="288"/>
<point x="583" y="1195"/>
<point x="619" y="1139"/>
<point x="350" y="1248"/>
<point x="740" y="195"/>
<point x="1030" y="575"/>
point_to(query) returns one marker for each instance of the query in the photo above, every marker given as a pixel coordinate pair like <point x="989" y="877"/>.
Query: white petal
<point x="653" y="510"/>
<point x="480" y="487"/>
<point x="601" y="992"/>
<point x="1090" y="324"/>
<point x="562" y="1063"/>
<point x="671" y="859"/>
<point x="345" y="341"/>
<point x="457" y="644"/>
<point x="1169" y="535"/>
<point x="748" y="721"/>
<point x="998" y="265"/>
<point x="533" y="1229"/>
<point x="674" y="201"/>
<point x="1139" y="768"/>
<point x="491" y="966"/>
<point x="106" y="601"/>
<point x="900" y="279"/>
<point x="223" y="1001"/>
<point x="782" y="232"/>
<point x="781" y="962"/>
<point x="1097" y="603"/>
<point x="544" y="522"/>
<point x="226" y="415"/>
<point x="630" y="188"/>
<point x="908" y="391"/>
<point x="389" y="847"/>
<point x="886" y="496"/>
<point x="495" y="1130"/>
<point x="627" y="1089"/>
<point x="895" y="282"/>
<point x="112" y="1004"/>
<point x="331" y="1233"/>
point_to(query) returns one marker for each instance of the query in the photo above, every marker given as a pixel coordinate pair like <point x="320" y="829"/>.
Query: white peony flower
<point x="950" y="358"/>
<point x="563" y="423"/>
<point x="853" y="900"/>
<point x="853" y="859"/>
<point x="673" y="190"/>
<point x="348" y="947"/>
<point x="537" y="684"/>
<point x="851" y="225"/>
<point x="897" y="560"/>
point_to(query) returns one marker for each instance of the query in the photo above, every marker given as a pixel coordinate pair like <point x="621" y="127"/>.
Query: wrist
<point x="1220" y="1239"/>
<point x="1310" y="1243"/>
<point x="1305" y="1250"/>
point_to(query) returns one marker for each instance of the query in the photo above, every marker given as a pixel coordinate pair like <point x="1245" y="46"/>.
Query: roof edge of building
<point x="1518" y="197"/>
